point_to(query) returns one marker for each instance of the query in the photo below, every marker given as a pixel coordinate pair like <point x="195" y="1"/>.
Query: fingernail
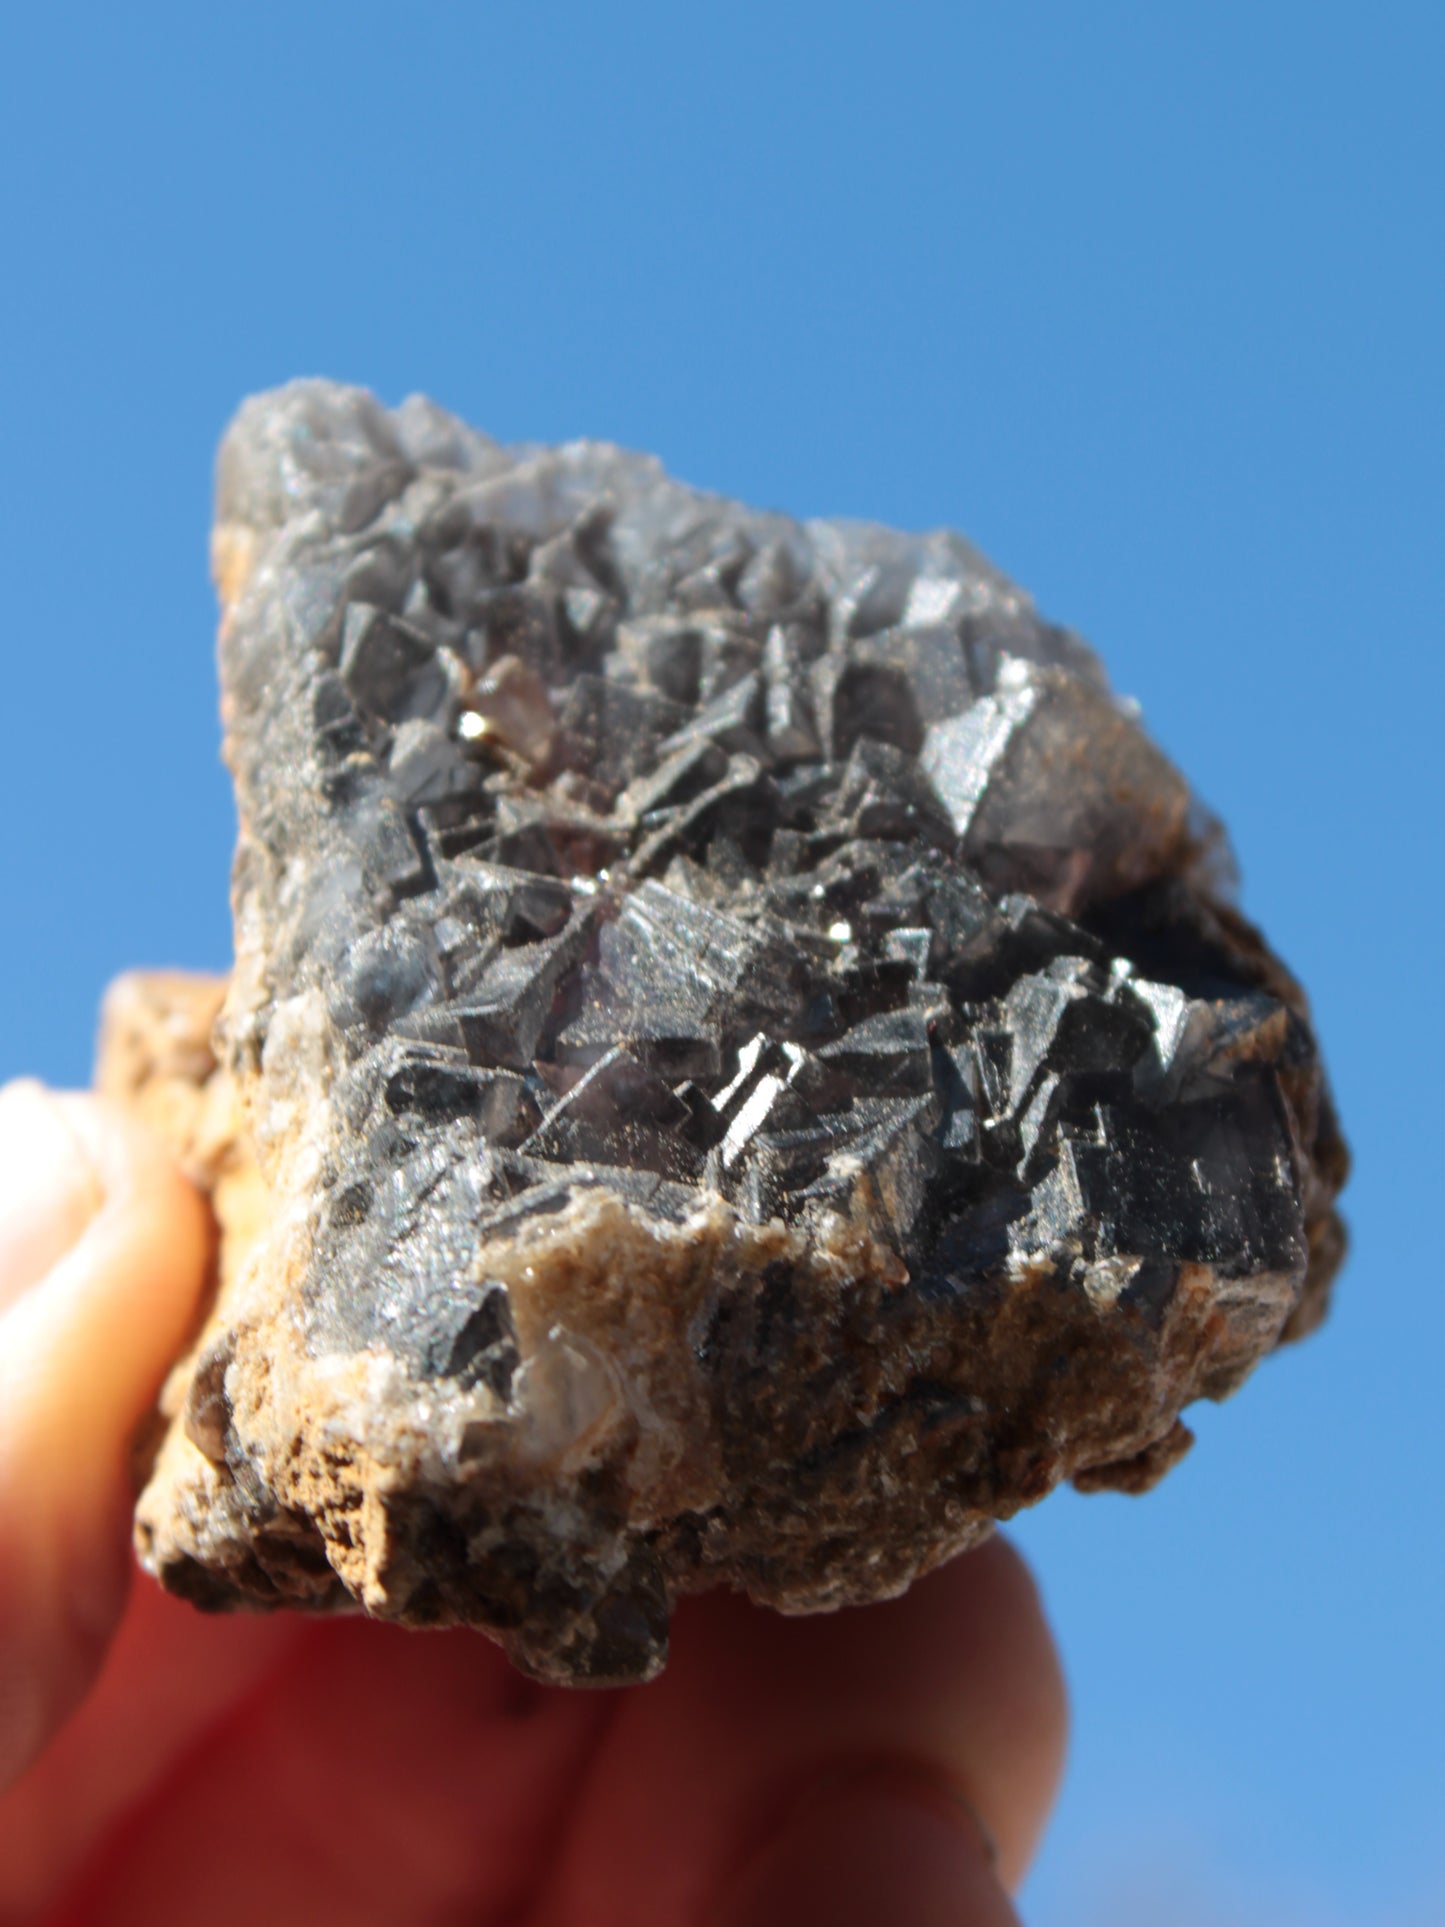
<point x="49" y="1187"/>
<point x="880" y="1846"/>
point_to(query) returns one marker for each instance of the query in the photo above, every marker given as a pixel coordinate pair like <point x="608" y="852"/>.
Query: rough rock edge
<point x="157" y="1058"/>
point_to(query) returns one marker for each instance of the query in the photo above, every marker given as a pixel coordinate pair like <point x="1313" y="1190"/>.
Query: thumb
<point x="103" y="1251"/>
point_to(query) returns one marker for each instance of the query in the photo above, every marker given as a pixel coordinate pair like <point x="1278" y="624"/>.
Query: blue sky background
<point x="1151" y="301"/>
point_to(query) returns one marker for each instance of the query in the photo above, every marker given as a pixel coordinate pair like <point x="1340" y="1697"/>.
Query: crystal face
<point x="752" y="1063"/>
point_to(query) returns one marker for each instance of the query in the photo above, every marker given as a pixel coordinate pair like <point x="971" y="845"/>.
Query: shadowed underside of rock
<point x="740" y="1067"/>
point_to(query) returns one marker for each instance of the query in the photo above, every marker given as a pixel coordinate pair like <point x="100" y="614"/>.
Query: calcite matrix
<point x="740" y="1067"/>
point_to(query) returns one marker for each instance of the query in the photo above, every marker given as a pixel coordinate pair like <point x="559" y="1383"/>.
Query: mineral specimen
<point x="740" y="1066"/>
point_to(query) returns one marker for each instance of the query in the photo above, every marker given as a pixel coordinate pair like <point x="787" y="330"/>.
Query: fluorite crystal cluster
<point x="740" y="1067"/>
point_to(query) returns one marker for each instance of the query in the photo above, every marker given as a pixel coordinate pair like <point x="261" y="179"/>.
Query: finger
<point x="870" y="1851"/>
<point x="171" y="1678"/>
<point x="393" y="1776"/>
<point x="51" y="1189"/>
<point x="728" y="1770"/>
<point x="105" y="1248"/>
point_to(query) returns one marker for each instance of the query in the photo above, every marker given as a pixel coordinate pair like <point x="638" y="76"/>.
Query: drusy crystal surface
<point x="741" y="1067"/>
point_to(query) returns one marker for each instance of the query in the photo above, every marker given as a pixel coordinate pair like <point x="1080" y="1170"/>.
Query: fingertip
<point x="961" y="1671"/>
<point x="955" y="1684"/>
<point x="51" y="1189"/>
<point x="85" y="1346"/>
<point x="85" y="1338"/>
<point x="997" y="1607"/>
<point x="872" y="1849"/>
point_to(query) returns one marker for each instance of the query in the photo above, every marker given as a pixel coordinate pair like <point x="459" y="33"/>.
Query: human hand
<point x="157" y="1766"/>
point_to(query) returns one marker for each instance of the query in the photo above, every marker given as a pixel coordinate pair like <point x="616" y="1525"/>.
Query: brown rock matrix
<point x="741" y="1067"/>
